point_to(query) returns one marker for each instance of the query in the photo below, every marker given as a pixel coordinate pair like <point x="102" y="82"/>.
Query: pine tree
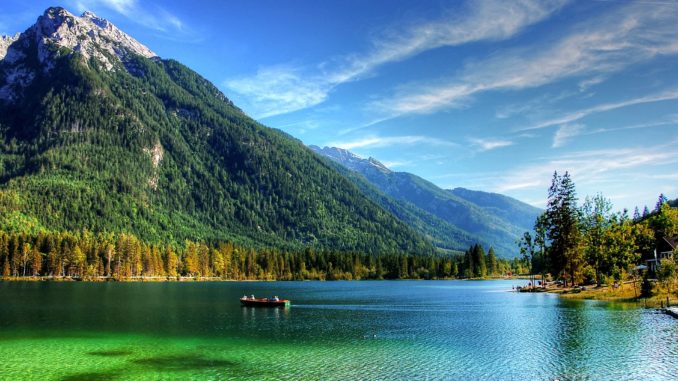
<point x="171" y="262"/>
<point x="661" y="200"/>
<point x="78" y="262"/>
<point x="563" y="228"/>
<point x="403" y="273"/>
<point x="479" y="265"/>
<point x="491" y="262"/>
<point x="25" y="257"/>
<point x="6" y="272"/>
<point x="527" y="250"/>
<point x="636" y="214"/>
<point x="541" y="260"/>
<point x="110" y="253"/>
<point x="36" y="261"/>
<point x="469" y="263"/>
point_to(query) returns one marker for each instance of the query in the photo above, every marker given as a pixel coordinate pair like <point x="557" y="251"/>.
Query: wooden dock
<point x="673" y="311"/>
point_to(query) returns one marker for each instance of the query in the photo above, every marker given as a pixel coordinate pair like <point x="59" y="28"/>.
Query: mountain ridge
<point x="95" y="135"/>
<point x="487" y="218"/>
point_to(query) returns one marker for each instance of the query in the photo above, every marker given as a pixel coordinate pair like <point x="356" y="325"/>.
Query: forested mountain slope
<point x="97" y="132"/>
<point x="454" y="219"/>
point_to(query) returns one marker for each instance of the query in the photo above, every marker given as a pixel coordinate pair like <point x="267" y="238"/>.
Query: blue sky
<point x="487" y="95"/>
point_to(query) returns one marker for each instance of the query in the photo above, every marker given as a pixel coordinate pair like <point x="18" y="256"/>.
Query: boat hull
<point x="265" y="303"/>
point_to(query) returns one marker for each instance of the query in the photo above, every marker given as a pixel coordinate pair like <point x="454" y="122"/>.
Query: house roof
<point x="672" y="241"/>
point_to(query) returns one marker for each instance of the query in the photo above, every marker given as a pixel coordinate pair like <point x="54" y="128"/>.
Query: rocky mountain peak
<point x="378" y="165"/>
<point x="89" y="35"/>
<point x="342" y="156"/>
<point x="5" y="42"/>
<point x="350" y="160"/>
<point x="89" y="15"/>
<point x="57" y="33"/>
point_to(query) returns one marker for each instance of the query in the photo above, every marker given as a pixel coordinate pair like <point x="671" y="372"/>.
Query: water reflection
<point x="607" y="339"/>
<point x="336" y="330"/>
<point x="250" y="314"/>
<point x="258" y="321"/>
<point x="571" y="332"/>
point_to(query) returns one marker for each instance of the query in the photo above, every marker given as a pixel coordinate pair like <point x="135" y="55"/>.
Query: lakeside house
<point x="665" y="249"/>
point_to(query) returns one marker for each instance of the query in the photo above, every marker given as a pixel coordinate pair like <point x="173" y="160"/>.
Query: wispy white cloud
<point x="480" y="20"/>
<point x="670" y="176"/>
<point x="374" y="141"/>
<point x="579" y="114"/>
<point x="670" y="120"/>
<point x="590" y="82"/>
<point x="280" y="89"/>
<point x="643" y="170"/>
<point x="423" y="99"/>
<point x="598" y="47"/>
<point x="369" y="123"/>
<point x="303" y="126"/>
<point x="156" y="18"/>
<point x="171" y="19"/>
<point x="534" y="105"/>
<point x="589" y="167"/>
<point x="490" y="144"/>
<point x="125" y="7"/>
<point x="396" y="163"/>
<point x="565" y="133"/>
<point x="520" y="185"/>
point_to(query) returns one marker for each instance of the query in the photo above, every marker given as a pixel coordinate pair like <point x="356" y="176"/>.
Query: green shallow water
<point x="407" y="330"/>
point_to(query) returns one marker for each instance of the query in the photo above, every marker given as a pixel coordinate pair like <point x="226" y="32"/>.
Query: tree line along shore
<point x="84" y="255"/>
<point x="579" y="245"/>
<point x="612" y="251"/>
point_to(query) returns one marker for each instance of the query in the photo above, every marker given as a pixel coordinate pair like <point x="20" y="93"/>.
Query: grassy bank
<point x="625" y="293"/>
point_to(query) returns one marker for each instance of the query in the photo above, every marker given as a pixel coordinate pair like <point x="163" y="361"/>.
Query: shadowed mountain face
<point x="453" y="219"/>
<point x="98" y="133"/>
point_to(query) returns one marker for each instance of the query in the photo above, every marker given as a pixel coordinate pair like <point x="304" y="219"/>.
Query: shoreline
<point x="142" y="279"/>
<point x="145" y="279"/>
<point x="625" y="293"/>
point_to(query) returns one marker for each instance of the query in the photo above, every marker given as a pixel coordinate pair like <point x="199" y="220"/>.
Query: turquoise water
<point x="428" y="330"/>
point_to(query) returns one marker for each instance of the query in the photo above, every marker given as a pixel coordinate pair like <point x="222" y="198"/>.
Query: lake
<point x="364" y="330"/>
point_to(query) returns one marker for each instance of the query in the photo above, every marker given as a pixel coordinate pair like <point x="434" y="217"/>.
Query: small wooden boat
<point x="264" y="302"/>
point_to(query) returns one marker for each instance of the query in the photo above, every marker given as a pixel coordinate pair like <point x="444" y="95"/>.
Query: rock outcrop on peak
<point x="59" y="33"/>
<point x="89" y="35"/>
<point x="5" y="42"/>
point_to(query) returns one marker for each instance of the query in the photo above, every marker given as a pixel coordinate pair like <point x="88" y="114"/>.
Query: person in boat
<point x="275" y="299"/>
<point x="252" y="297"/>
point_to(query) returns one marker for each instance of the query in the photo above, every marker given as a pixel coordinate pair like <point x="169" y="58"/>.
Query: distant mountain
<point x="507" y="208"/>
<point x="446" y="237"/>
<point x="453" y="219"/>
<point x="98" y="133"/>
